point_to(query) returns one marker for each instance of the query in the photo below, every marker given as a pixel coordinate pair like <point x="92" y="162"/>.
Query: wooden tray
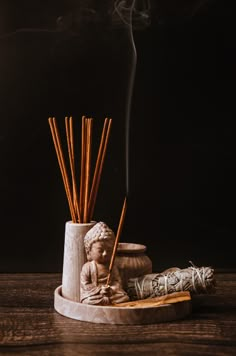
<point x="120" y="315"/>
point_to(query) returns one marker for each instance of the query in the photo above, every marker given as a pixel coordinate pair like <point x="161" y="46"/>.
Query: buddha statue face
<point x="101" y="251"/>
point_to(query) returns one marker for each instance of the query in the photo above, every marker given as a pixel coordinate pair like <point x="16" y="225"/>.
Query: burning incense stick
<point x="121" y="223"/>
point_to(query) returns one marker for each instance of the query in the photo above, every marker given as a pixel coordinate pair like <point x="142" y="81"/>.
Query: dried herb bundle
<point x="193" y="279"/>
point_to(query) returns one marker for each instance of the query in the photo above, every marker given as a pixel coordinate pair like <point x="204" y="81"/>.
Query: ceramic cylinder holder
<point x="74" y="258"/>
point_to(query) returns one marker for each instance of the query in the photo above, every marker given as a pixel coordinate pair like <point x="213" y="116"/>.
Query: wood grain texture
<point x="29" y="325"/>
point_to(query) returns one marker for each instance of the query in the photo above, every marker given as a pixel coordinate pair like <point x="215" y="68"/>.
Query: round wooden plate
<point x="120" y="315"/>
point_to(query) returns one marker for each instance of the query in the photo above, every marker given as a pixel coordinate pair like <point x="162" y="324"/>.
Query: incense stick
<point x="99" y="165"/>
<point x="87" y="167"/>
<point x="61" y="161"/>
<point x="67" y="183"/>
<point x="75" y="193"/>
<point x="82" y="164"/>
<point x="70" y="145"/>
<point x="121" y="223"/>
<point x="96" y="170"/>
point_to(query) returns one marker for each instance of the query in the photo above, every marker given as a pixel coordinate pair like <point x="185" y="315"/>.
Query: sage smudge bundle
<point x="196" y="280"/>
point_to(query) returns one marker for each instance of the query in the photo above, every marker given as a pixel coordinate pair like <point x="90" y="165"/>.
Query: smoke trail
<point x="123" y="11"/>
<point x="133" y="13"/>
<point x="130" y="13"/>
<point x="78" y="17"/>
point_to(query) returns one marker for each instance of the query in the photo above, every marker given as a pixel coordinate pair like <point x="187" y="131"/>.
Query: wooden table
<point x="29" y="325"/>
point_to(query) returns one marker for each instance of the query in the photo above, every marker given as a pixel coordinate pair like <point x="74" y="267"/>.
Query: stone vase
<point x="74" y="258"/>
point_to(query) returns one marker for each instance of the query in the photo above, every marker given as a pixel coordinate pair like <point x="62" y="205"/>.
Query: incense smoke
<point x="134" y="14"/>
<point x="74" y="18"/>
<point x="126" y="15"/>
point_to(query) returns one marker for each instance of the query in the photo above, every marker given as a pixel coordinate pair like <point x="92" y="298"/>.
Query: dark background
<point x="181" y="156"/>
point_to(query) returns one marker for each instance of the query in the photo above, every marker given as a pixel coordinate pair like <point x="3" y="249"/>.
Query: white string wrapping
<point x="197" y="280"/>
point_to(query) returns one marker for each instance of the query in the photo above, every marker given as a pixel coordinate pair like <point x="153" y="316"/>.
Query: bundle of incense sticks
<point x="81" y="199"/>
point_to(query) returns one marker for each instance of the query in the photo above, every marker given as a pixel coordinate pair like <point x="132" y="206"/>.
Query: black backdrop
<point x="181" y="183"/>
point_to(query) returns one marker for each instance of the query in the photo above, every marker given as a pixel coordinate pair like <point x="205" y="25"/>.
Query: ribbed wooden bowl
<point x="132" y="261"/>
